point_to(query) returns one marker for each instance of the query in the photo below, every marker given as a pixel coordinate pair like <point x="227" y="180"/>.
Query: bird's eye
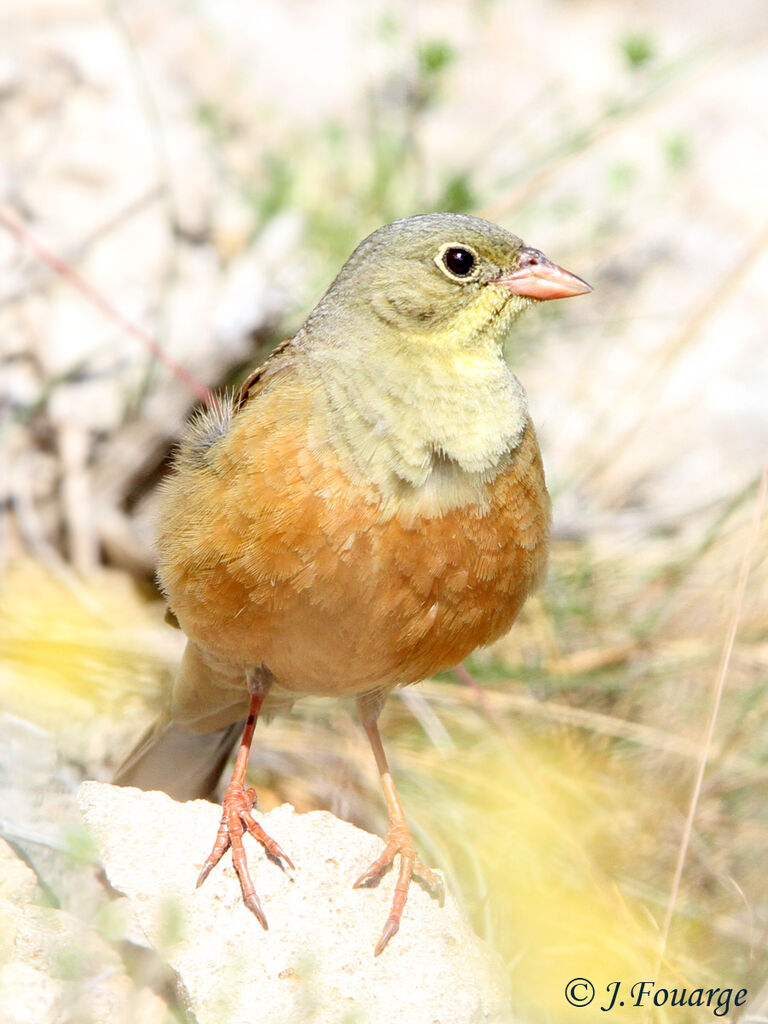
<point x="459" y="261"/>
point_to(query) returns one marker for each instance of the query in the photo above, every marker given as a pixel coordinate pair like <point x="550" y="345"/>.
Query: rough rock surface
<point x="316" y="963"/>
<point x="54" y="969"/>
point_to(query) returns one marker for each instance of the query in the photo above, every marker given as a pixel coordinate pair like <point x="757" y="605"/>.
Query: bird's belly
<point x="388" y="611"/>
<point x="337" y="598"/>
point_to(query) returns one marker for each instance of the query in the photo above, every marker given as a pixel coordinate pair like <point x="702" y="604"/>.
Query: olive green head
<point x="440" y="277"/>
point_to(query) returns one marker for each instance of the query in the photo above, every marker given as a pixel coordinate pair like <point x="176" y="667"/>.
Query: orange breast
<point x="270" y="554"/>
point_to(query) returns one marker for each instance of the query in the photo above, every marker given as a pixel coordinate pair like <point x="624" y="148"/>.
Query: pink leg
<point x="236" y="816"/>
<point x="399" y="838"/>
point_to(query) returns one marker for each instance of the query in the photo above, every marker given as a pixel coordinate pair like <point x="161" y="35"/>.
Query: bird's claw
<point x="236" y="819"/>
<point x="399" y="841"/>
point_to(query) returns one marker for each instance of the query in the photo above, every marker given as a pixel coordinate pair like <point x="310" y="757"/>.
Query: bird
<point x="365" y="512"/>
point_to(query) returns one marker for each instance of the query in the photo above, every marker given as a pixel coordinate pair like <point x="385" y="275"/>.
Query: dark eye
<point x="460" y="262"/>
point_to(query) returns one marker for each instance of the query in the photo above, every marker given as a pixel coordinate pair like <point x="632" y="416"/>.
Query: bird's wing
<point x="254" y="383"/>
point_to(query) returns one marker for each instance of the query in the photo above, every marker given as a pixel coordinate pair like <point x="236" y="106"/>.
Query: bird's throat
<point x="430" y="436"/>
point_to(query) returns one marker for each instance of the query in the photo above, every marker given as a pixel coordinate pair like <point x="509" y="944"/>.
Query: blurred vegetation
<point x="554" y="795"/>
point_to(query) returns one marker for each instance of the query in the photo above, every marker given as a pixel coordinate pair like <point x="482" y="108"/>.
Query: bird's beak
<point x="537" y="277"/>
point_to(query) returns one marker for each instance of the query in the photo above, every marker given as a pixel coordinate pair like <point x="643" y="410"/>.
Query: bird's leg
<point x="399" y="838"/>
<point x="237" y="805"/>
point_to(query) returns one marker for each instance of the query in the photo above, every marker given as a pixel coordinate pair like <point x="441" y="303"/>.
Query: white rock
<point x="316" y="962"/>
<point x="54" y="968"/>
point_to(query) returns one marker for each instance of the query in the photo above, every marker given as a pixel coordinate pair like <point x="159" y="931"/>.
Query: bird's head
<point x="443" y="280"/>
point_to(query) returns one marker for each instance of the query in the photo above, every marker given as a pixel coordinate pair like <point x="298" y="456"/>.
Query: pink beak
<point x="537" y="277"/>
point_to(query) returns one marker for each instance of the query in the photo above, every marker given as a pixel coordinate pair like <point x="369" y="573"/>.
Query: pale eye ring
<point x="458" y="260"/>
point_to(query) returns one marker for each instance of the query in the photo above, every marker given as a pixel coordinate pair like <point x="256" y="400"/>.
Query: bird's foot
<point x="236" y="819"/>
<point x="399" y="840"/>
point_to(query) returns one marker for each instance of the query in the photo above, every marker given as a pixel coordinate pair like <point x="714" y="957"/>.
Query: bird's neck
<point x="428" y="431"/>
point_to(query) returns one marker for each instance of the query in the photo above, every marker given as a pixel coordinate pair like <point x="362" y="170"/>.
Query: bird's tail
<point x="184" y="764"/>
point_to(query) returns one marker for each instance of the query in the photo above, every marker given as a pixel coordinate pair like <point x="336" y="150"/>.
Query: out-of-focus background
<point x="206" y="167"/>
